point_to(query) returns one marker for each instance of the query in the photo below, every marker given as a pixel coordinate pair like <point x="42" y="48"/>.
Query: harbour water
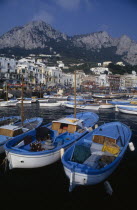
<point x="48" y="186"/>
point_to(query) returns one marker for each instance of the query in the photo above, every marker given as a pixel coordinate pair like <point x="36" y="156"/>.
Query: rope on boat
<point x="5" y="165"/>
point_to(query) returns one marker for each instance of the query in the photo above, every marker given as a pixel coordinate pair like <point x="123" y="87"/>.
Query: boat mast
<point x="22" y="107"/>
<point x="40" y="90"/>
<point x="110" y="89"/>
<point x="6" y="91"/>
<point x="75" y="94"/>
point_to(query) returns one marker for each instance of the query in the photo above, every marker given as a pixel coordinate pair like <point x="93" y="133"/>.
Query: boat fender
<point x="108" y="188"/>
<point x="72" y="185"/>
<point x="96" y="126"/>
<point x="131" y="146"/>
<point x="62" y="152"/>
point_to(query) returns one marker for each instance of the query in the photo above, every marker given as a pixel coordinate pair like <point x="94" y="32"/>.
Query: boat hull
<point x="25" y="102"/>
<point x="89" y="179"/>
<point x="31" y="161"/>
<point x="7" y="103"/>
<point x="117" y="107"/>
<point x="127" y="111"/>
<point x="85" y="107"/>
<point x="106" y="106"/>
<point x="49" y="104"/>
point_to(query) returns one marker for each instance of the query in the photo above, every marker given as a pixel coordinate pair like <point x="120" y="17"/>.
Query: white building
<point x="60" y="64"/>
<point x="106" y="63"/>
<point x="102" y="80"/>
<point x="100" y="70"/>
<point x="7" y="67"/>
<point x="120" y="63"/>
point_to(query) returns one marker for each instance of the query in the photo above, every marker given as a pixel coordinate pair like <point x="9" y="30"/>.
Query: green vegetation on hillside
<point x="117" y="69"/>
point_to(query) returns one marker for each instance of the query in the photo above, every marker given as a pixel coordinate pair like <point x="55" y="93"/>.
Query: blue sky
<point x="72" y="17"/>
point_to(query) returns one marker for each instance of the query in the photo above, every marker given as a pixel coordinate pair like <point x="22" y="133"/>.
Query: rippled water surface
<point x="48" y="186"/>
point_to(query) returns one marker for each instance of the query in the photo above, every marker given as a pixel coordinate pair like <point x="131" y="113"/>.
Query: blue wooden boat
<point x="120" y="102"/>
<point x="10" y="119"/>
<point x="96" y="155"/>
<point x="72" y="98"/>
<point x="46" y="145"/>
<point x="9" y="131"/>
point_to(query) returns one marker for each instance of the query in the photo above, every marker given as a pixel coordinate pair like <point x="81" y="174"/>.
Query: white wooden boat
<point x="42" y="100"/>
<point x="50" y="103"/>
<point x="25" y="100"/>
<point x="45" y="145"/>
<point x="104" y="104"/>
<point x="128" y="110"/>
<point x="8" y="103"/>
<point x="96" y="155"/>
<point x="55" y="96"/>
<point x="85" y="106"/>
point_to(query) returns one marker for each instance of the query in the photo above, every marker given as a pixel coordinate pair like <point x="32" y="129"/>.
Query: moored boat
<point x="104" y="104"/>
<point x="25" y="100"/>
<point x="96" y="155"/>
<point x="50" y="103"/>
<point x="45" y="145"/>
<point x="85" y="106"/>
<point x="8" y="103"/>
<point x="9" y="131"/>
<point x="9" y="120"/>
<point x="128" y="110"/>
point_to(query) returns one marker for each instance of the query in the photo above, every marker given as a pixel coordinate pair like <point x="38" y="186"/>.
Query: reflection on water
<point x="50" y="182"/>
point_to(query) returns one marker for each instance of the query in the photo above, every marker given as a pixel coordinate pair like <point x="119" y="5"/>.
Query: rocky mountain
<point x="33" y="35"/>
<point x="38" y="36"/>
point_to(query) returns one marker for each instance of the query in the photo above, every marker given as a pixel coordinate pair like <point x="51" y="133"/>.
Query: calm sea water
<point x="48" y="186"/>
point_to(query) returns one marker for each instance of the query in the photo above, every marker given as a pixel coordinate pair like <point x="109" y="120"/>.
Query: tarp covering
<point x="80" y="154"/>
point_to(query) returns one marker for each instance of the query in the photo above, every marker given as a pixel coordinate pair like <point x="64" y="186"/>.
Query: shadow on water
<point x="49" y="185"/>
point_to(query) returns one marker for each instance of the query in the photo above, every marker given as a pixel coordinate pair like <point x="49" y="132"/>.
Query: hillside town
<point x="38" y="72"/>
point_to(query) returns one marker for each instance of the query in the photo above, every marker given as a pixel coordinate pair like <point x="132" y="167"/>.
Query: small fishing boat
<point x="77" y="98"/>
<point x="50" y="103"/>
<point x="25" y="100"/>
<point x="42" y="100"/>
<point x="85" y="106"/>
<point x="124" y="103"/>
<point x="9" y="120"/>
<point x="9" y="131"/>
<point x="128" y="110"/>
<point x="55" y="96"/>
<point x="96" y="155"/>
<point x="45" y="145"/>
<point x="8" y="103"/>
<point x="100" y="95"/>
<point x="104" y="104"/>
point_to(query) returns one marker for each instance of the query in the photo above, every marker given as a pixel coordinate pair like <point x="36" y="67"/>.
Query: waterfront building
<point x="114" y="81"/>
<point x="102" y="80"/>
<point x="129" y="80"/>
